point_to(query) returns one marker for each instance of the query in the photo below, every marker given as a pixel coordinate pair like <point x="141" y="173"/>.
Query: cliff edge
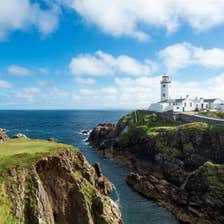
<point x="44" y="182"/>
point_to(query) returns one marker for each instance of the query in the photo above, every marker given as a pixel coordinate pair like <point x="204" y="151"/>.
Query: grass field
<point x="214" y="114"/>
<point x="22" y="152"/>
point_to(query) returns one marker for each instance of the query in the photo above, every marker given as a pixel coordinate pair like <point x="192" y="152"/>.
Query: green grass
<point x="214" y="114"/>
<point x="148" y="124"/>
<point x="200" y="126"/>
<point x="5" y="207"/>
<point x="22" y="152"/>
<point x="215" y="177"/>
<point x="148" y="118"/>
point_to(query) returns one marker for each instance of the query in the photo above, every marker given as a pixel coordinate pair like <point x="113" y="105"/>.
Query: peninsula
<point x="45" y="182"/>
<point x="180" y="165"/>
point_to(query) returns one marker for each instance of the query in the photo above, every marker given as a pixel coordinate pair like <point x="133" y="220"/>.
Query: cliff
<point x="48" y="182"/>
<point x="167" y="156"/>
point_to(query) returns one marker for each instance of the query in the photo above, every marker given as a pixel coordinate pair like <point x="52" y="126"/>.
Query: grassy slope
<point x="215" y="177"/>
<point x="149" y="124"/>
<point x="22" y="153"/>
<point x="215" y="114"/>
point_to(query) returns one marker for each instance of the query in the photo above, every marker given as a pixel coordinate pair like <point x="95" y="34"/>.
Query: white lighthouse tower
<point x="165" y="88"/>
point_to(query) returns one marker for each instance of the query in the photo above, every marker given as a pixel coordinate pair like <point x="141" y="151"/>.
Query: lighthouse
<point x="165" y="88"/>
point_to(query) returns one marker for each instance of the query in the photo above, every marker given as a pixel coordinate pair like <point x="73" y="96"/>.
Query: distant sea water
<point x="66" y="127"/>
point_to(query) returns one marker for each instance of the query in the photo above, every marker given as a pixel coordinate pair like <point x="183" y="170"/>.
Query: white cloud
<point x="5" y="84"/>
<point x="182" y="55"/>
<point x="37" y="97"/>
<point x="19" y="71"/>
<point x="85" y="81"/>
<point x="101" y="64"/>
<point x="127" y="17"/>
<point x="140" y="92"/>
<point x="31" y="90"/>
<point x="131" y="18"/>
<point x="22" y="14"/>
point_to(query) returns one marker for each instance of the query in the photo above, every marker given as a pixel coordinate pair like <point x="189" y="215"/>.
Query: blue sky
<point x="70" y="54"/>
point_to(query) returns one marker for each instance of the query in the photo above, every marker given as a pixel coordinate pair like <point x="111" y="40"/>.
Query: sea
<point x="66" y="126"/>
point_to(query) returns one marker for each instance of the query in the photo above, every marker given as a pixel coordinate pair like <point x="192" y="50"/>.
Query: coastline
<point x="164" y="179"/>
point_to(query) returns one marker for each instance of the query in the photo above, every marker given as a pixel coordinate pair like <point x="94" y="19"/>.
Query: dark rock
<point x="3" y="135"/>
<point x="172" y="168"/>
<point x="52" y="140"/>
<point x="98" y="169"/>
<point x="102" y="132"/>
<point x="20" y="135"/>
<point x="85" y="132"/>
<point x="103" y="184"/>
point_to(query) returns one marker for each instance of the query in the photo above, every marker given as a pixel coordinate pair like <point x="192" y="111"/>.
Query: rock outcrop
<point x="57" y="186"/>
<point x="200" y="200"/>
<point x="20" y="135"/>
<point x="169" y="158"/>
<point x="3" y="135"/>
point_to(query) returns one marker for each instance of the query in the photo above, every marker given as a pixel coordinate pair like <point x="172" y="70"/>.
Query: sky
<point x="102" y="54"/>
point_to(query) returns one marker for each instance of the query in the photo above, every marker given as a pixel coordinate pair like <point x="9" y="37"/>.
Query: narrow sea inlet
<point x="66" y="127"/>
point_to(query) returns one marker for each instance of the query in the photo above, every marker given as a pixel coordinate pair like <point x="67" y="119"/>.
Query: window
<point x="190" y="104"/>
<point x="164" y="94"/>
<point x="164" y="86"/>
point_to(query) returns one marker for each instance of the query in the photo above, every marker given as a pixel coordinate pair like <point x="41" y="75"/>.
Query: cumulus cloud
<point x="127" y="17"/>
<point x="22" y="14"/>
<point x="19" y="70"/>
<point x="182" y="55"/>
<point x="101" y="63"/>
<point x="131" y="18"/>
<point x="142" y="91"/>
<point x="5" y="84"/>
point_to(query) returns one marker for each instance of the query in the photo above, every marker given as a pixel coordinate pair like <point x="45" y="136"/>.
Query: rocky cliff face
<point x="199" y="200"/>
<point x="169" y="157"/>
<point x="58" y="186"/>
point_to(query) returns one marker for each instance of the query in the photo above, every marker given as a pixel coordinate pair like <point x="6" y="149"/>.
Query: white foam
<point x="117" y="195"/>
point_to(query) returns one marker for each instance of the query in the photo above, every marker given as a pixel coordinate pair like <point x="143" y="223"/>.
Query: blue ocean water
<point x="66" y="127"/>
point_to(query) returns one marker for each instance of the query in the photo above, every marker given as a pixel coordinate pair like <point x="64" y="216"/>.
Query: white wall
<point x="222" y="107"/>
<point x="165" y="91"/>
<point x="160" y="107"/>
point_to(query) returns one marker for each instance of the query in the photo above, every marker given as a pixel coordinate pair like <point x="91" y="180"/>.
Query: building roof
<point x="212" y="100"/>
<point x="195" y="100"/>
<point x="173" y="100"/>
<point x="165" y="79"/>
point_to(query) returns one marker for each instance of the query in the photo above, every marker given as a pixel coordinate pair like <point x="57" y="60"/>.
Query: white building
<point x="183" y="104"/>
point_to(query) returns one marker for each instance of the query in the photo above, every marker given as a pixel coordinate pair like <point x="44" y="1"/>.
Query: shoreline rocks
<point x="167" y="166"/>
<point x="20" y="135"/>
<point x="3" y="135"/>
<point x="85" y="132"/>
